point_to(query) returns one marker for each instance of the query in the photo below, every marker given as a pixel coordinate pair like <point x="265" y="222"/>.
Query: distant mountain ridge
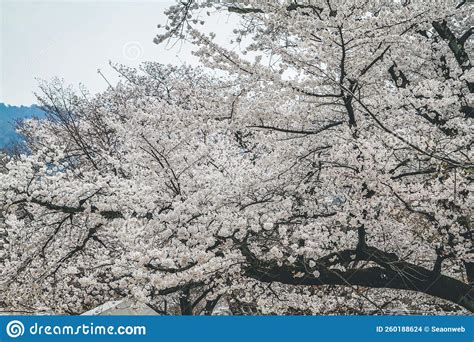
<point x="9" y="115"/>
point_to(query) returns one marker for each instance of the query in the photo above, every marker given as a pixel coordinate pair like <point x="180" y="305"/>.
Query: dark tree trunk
<point x="390" y="273"/>
<point x="469" y="266"/>
<point x="185" y="304"/>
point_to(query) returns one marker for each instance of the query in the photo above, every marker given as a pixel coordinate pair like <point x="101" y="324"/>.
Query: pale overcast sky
<point x="72" y="39"/>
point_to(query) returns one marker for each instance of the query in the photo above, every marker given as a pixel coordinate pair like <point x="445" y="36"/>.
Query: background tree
<point x="115" y="187"/>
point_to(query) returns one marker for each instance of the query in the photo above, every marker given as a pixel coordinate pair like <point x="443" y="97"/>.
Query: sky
<point x="73" y="39"/>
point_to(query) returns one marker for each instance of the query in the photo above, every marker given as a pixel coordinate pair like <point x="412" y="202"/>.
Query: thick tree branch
<point x="390" y="273"/>
<point x="456" y="45"/>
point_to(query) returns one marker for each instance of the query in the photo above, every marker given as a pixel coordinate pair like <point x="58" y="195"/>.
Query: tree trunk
<point x="391" y="273"/>
<point x="469" y="266"/>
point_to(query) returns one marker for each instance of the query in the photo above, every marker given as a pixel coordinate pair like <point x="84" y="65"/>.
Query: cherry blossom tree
<point x="325" y="168"/>
<point x="377" y="97"/>
<point x="114" y="194"/>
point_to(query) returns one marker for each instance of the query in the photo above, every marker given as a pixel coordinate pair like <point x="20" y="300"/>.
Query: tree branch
<point x="390" y="273"/>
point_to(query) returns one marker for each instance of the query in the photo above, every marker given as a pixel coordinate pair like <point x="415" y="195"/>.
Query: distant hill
<point x="9" y="115"/>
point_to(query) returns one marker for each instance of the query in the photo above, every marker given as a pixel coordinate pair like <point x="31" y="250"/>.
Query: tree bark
<point x="469" y="266"/>
<point x="390" y="273"/>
